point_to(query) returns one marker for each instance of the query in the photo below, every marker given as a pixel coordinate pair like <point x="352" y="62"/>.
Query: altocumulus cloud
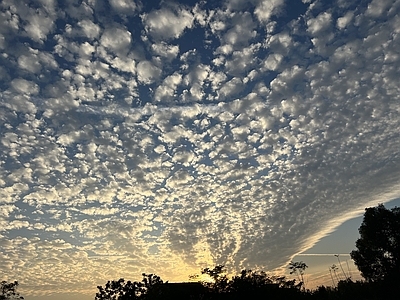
<point x="168" y="138"/>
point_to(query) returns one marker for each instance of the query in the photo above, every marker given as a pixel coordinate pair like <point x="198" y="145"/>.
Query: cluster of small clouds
<point x="179" y="137"/>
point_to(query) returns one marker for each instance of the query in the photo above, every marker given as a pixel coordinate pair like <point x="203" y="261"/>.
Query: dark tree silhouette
<point x="149" y="288"/>
<point x="249" y="284"/>
<point x="249" y="280"/>
<point x="220" y="280"/>
<point x="378" y="248"/>
<point x="9" y="291"/>
<point x="298" y="268"/>
<point x="119" y="290"/>
<point x="153" y="286"/>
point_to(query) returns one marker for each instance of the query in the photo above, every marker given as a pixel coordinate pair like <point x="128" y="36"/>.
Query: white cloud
<point x="86" y="49"/>
<point x="243" y="60"/>
<point x="165" y="23"/>
<point x="125" y="7"/>
<point x="29" y="63"/>
<point x="114" y="150"/>
<point x="241" y="32"/>
<point x="342" y="22"/>
<point x="317" y="25"/>
<point x="168" y="89"/>
<point x="147" y="72"/>
<point x="266" y="8"/>
<point x="90" y="29"/>
<point x="116" y="39"/>
<point x="216" y="79"/>
<point x="273" y="61"/>
<point x="38" y="23"/>
<point x="198" y="74"/>
<point x="165" y="50"/>
<point x="233" y="86"/>
<point x="377" y="8"/>
<point x="126" y="64"/>
<point x="279" y="42"/>
<point x="23" y="86"/>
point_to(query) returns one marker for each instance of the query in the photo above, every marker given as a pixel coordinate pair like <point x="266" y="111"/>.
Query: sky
<point x="169" y="136"/>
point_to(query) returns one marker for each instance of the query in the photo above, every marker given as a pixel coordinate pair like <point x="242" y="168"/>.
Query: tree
<point x="378" y="248"/>
<point x="9" y="291"/>
<point x="253" y="284"/>
<point x="298" y="268"/>
<point x="153" y="286"/>
<point x="120" y="289"/>
<point x="249" y="280"/>
<point x="220" y="280"/>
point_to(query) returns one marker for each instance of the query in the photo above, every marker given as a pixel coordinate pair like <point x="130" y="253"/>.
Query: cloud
<point x="241" y="31"/>
<point x="38" y="27"/>
<point x="165" y="50"/>
<point x="147" y="72"/>
<point x="168" y="89"/>
<point x="125" y="7"/>
<point x="116" y="39"/>
<point x="90" y="29"/>
<point x="376" y="8"/>
<point x="123" y="152"/>
<point x="36" y="23"/>
<point x="23" y="86"/>
<point x="167" y="23"/>
<point x="320" y="23"/>
<point x="233" y="86"/>
<point x="273" y="61"/>
<point x="342" y="22"/>
<point x="265" y="9"/>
